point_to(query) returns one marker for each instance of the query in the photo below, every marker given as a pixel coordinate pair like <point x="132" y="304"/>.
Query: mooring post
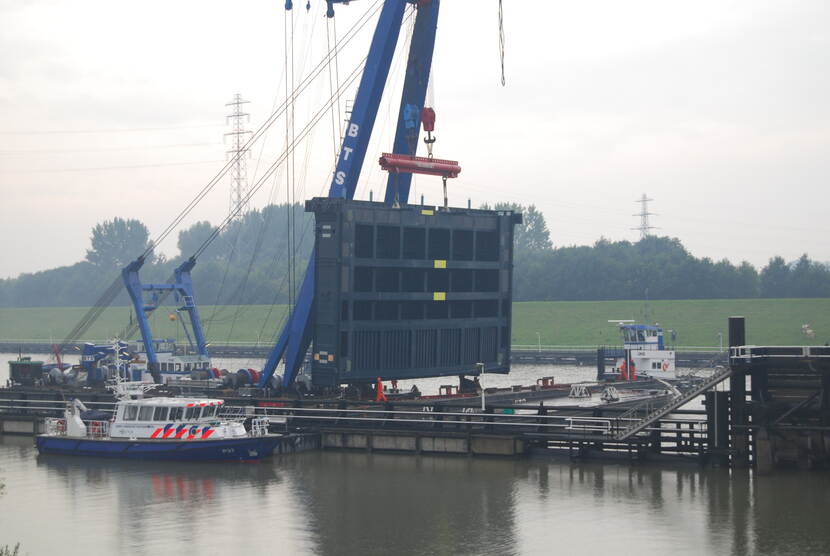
<point x="717" y="429"/>
<point x="739" y="434"/>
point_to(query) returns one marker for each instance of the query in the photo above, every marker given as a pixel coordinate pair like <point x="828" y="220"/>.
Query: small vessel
<point x="158" y="428"/>
<point x="99" y="361"/>
<point x="643" y="353"/>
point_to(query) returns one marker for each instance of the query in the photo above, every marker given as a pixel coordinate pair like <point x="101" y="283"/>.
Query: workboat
<point x="158" y="428"/>
<point x="643" y="353"/>
<point x="100" y="363"/>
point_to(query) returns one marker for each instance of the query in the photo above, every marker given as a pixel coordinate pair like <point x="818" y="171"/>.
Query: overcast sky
<point x="718" y="110"/>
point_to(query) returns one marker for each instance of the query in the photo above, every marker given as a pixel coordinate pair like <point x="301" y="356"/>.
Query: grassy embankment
<point x="697" y="322"/>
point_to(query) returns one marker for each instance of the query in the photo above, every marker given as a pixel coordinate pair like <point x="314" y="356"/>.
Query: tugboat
<point x="643" y="353"/>
<point x="159" y="428"/>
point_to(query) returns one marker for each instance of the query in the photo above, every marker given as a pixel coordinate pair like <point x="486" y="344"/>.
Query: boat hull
<point x="235" y="449"/>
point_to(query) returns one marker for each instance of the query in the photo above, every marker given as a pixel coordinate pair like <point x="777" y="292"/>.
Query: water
<point x="350" y="503"/>
<point x="364" y="504"/>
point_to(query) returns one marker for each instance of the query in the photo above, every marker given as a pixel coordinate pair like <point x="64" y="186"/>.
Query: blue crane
<point x="182" y="289"/>
<point x="295" y="337"/>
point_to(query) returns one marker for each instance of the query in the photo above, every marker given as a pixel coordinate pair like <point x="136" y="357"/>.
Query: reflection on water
<point x="382" y="504"/>
<point x="364" y="504"/>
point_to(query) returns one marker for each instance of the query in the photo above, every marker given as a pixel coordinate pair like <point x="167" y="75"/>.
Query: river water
<point x="364" y="504"/>
<point x="350" y="503"/>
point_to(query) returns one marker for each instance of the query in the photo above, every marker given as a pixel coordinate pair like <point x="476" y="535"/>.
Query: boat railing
<point x="259" y="426"/>
<point x="97" y="429"/>
<point x="235" y="412"/>
<point x="55" y="426"/>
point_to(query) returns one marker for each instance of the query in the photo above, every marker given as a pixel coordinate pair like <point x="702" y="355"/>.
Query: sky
<point x="717" y="110"/>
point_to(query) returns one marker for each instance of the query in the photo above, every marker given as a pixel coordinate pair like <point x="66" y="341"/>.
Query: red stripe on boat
<point x="156" y="433"/>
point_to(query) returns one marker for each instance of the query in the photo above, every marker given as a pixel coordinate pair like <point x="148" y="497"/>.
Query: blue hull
<point x="239" y="449"/>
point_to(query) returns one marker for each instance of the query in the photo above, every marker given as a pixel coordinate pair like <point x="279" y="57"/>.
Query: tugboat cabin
<point x="642" y="336"/>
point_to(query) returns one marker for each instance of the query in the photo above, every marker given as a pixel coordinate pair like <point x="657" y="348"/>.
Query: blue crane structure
<point x="295" y="337"/>
<point x="182" y="289"/>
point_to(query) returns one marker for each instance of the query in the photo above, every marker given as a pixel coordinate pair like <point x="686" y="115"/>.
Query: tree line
<point x="652" y="268"/>
<point x="250" y="262"/>
<point x="245" y="263"/>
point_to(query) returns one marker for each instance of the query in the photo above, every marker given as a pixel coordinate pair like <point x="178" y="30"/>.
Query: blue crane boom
<point x="295" y="337"/>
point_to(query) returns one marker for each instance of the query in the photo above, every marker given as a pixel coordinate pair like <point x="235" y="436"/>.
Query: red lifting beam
<point x="404" y="163"/>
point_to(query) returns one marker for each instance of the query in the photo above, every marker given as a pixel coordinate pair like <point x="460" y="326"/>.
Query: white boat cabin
<point x="645" y="352"/>
<point x="173" y="419"/>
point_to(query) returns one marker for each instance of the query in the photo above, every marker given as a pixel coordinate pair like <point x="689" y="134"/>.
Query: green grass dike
<point x="555" y="323"/>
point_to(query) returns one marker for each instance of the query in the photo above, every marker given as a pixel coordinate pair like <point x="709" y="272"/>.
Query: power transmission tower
<point x="239" y="171"/>
<point x="644" y="227"/>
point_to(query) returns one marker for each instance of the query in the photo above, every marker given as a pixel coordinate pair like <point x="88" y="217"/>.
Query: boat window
<point x="209" y="411"/>
<point x="640" y="336"/>
<point x="178" y="366"/>
<point x="160" y="414"/>
<point x="187" y="367"/>
<point x="175" y="413"/>
<point x="192" y="412"/>
<point x="145" y="413"/>
<point x="130" y="412"/>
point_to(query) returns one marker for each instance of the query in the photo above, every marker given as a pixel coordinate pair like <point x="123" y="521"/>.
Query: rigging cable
<point x="501" y="42"/>
<point x="115" y="287"/>
<point x="336" y="72"/>
<point x="92" y="314"/>
<point x="291" y="192"/>
<point x="271" y="169"/>
<point x="357" y="26"/>
<point x="315" y="119"/>
<point x="290" y="102"/>
<point x="113" y="290"/>
<point x="335" y="94"/>
<point x="291" y="208"/>
<point x="335" y="117"/>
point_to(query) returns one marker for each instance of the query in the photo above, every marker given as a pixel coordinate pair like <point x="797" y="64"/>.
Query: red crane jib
<point x="404" y="163"/>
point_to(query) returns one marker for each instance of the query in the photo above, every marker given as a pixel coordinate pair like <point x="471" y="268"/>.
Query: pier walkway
<point x="643" y="415"/>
